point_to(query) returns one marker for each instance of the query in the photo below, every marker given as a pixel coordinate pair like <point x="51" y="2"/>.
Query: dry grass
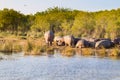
<point x="28" y="47"/>
<point x="68" y="51"/>
<point x="87" y="51"/>
<point x="114" y="52"/>
<point x="10" y="46"/>
<point x="34" y="47"/>
<point x="37" y="46"/>
<point x="101" y="52"/>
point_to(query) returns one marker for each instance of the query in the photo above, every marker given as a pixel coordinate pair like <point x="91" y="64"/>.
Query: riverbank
<point x="37" y="46"/>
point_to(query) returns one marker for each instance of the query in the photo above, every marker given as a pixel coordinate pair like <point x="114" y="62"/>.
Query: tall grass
<point x="115" y="52"/>
<point x="87" y="51"/>
<point x="101" y="52"/>
<point x="9" y="46"/>
<point x="31" y="48"/>
<point x="68" y="51"/>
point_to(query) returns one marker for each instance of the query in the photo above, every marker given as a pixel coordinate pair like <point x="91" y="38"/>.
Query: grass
<point x="28" y="48"/>
<point x="50" y="50"/>
<point x="101" y="52"/>
<point x="67" y="51"/>
<point x="32" y="48"/>
<point x="87" y="51"/>
<point x="9" y="46"/>
<point x="115" y="52"/>
<point x="37" y="46"/>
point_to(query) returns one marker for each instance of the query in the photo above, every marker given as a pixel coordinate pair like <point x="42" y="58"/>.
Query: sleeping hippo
<point x="117" y="41"/>
<point x="59" y="40"/>
<point x="69" y="40"/>
<point x="49" y="37"/>
<point x="82" y="44"/>
<point x="104" y="44"/>
<point x="99" y="39"/>
<point x="76" y="40"/>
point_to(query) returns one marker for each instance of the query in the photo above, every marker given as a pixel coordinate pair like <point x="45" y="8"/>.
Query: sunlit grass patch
<point x="114" y="52"/>
<point x="28" y="47"/>
<point x="87" y="51"/>
<point x="9" y="46"/>
<point x="101" y="52"/>
<point x="34" y="48"/>
<point x="17" y="48"/>
<point x="68" y="51"/>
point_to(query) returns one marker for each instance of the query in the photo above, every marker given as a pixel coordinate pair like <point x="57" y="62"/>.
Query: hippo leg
<point x="50" y="43"/>
<point x="72" y="45"/>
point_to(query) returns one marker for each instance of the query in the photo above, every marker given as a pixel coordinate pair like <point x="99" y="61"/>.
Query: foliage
<point x="101" y="24"/>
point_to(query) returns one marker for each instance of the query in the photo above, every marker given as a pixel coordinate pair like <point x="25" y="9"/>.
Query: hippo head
<point x="60" y="43"/>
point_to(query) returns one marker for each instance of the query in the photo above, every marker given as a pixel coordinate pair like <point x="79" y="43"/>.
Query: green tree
<point x="83" y="24"/>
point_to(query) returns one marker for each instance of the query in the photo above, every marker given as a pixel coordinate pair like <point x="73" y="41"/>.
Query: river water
<point x="57" y="67"/>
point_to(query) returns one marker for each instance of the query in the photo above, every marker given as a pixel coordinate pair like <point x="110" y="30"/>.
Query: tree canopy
<point x="63" y="21"/>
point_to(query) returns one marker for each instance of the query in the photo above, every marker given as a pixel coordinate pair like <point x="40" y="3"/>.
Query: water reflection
<point x="54" y="66"/>
<point x="66" y="52"/>
<point x="59" y="68"/>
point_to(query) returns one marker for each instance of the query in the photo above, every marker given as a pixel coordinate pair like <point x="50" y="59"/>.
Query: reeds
<point x="115" y="52"/>
<point x="68" y="51"/>
<point x="9" y="46"/>
<point x="38" y="47"/>
<point x="87" y="51"/>
<point x="34" y="49"/>
<point x="101" y="52"/>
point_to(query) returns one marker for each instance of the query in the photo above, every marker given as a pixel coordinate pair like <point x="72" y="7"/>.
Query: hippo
<point x="59" y="41"/>
<point x="92" y="39"/>
<point x="69" y="40"/>
<point x="92" y="44"/>
<point x="99" y="39"/>
<point x="76" y="40"/>
<point x="117" y="41"/>
<point x="82" y="44"/>
<point x="49" y="37"/>
<point x="104" y="44"/>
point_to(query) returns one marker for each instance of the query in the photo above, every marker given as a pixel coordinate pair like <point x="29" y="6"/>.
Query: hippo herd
<point x="70" y="40"/>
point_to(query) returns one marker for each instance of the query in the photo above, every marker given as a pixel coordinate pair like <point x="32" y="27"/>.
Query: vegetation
<point x="87" y="51"/>
<point x="115" y="52"/>
<point x="9" y="46"/>
<point x="67" y="51"/>
<point x="13" y="24"/>
<point x="101" y="24"/>
<point x="34" y="49"/>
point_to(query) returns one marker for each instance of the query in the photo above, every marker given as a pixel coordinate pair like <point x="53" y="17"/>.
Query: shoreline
<point x="38" y="47"/>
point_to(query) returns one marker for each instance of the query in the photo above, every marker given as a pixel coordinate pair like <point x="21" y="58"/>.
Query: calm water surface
<point x="57" y="67"/>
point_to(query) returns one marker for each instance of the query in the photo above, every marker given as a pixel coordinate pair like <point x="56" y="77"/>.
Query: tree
<point x="83" y="24"/>
<point x="40" y="24"/>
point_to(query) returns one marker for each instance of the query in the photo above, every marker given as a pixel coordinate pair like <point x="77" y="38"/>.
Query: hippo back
<point x="116" y="41"/>
<point x="82" y="44"/>
<point x="69" y="40"/>
<point x="103" y="44"/>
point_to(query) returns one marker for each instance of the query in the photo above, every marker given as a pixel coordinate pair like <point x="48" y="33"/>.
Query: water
<point x="57" y="67"/>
